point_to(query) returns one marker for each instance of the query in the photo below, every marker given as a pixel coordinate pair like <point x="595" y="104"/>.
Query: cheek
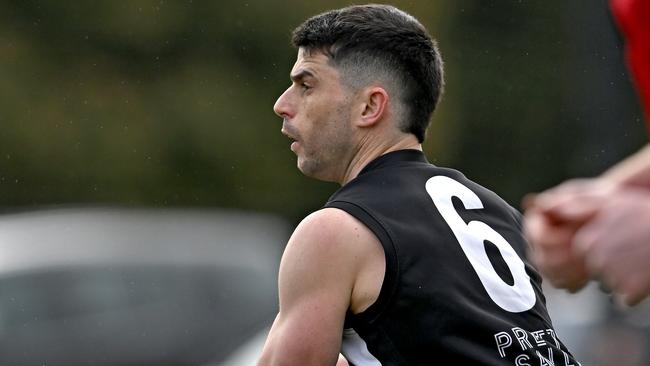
<point x="321" y="120"/>
<point x="312" y="121"/>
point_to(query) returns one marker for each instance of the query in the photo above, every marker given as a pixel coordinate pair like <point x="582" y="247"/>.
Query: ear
<point x="374" y="106"/>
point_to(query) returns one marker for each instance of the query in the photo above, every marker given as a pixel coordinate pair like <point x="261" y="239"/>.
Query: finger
<point x="562" y="270"/>
<point x="534" y="227"/>
<point x="592" y="241"/>
<point x="572" y="211"/>
<point x="552" y="254"/>
<point x="528" y="202"/>
<point x="545" y="236"/>
<point x="576" y="201"/>
<point x="632" y="299"/>
<point x="539" y="200"/>
<point x="570" y="187"/>
<point x="628" y="287"/>
<point x="585" y="240"/>
<point x="633" y="288"/>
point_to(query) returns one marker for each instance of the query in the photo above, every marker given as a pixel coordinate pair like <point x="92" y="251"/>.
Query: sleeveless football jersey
<point x="457" y="289"/>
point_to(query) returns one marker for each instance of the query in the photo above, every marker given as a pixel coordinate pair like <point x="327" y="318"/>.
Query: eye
<point x="304" y="87"/>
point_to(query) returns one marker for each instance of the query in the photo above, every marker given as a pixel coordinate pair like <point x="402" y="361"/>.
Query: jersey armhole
<point x="389" y="284"/>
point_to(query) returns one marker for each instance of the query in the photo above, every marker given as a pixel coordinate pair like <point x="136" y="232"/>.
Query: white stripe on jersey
<point x="355" y="350"/>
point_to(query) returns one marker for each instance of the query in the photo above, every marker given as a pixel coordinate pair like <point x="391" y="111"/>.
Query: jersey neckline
<point x="393" y="157"/>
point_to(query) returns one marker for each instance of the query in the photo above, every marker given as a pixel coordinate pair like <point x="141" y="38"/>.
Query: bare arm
<point x="634" y="170"/>
<point x="318" y="273"/>
<point x="616" y="244"/>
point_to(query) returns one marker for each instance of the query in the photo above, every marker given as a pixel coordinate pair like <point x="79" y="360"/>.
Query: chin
<point x="311" y="169"/>
<point x="307" y="170"/>
<point x="319" y="174"/>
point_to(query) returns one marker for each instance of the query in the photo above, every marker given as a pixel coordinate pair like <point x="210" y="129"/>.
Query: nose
<point x="283" y="106"/>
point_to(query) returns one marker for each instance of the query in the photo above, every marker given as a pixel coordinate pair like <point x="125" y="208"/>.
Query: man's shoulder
<point x="338" y="249"/>
<point x="330" y="228"/>
<point x="325" y="219"/>
<point x="319" y="250"/>
<point x="331" y="237"/>
<point x="328" y="249"/>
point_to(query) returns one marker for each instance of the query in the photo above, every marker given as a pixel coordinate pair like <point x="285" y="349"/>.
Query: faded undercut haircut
<point x="380" y="43"/>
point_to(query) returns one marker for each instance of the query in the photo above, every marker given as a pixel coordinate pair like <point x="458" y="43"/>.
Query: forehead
<point x="315" y="63"/>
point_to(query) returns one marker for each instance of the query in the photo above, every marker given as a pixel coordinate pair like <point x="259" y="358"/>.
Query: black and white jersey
<point x="458" y="289"/>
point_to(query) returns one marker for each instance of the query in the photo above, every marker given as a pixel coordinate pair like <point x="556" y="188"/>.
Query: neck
<point x="370" y="151"/>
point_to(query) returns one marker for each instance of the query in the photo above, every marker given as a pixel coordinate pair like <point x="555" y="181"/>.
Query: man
<point x="407" y="263"/>
<point x="598" y="228"/>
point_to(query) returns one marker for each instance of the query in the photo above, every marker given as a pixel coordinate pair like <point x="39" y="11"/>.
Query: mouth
<point x="284" y="132"/>
<point x="294" y="140"/>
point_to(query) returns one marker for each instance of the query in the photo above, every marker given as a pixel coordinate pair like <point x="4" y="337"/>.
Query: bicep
<point x="315" y="285"/>
<point x="308" y="334"/>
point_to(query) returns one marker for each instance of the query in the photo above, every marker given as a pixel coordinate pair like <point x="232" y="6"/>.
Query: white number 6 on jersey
<point x="516" y="298"/>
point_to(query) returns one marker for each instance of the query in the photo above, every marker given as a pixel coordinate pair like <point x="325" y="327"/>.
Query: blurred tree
<point x="169" y="102"/>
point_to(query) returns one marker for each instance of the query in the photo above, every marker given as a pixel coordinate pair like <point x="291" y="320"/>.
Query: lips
<point x="287" y="131"/>
<point x="284" y="132"/>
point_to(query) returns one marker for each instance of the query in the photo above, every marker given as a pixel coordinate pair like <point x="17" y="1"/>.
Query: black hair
<point x="381" y="42"/>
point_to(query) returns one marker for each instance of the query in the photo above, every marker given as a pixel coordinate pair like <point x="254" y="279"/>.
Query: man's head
<point x="381" y="43"/>
<point x="377" y="57"/>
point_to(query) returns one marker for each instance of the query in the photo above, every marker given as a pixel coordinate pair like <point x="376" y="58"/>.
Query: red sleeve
<point x="633" y="18"/>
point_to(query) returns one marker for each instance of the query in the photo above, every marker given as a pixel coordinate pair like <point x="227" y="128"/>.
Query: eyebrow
<point x="301" y="75"/>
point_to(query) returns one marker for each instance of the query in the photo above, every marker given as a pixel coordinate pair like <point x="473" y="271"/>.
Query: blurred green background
<point x="169" y="103"/>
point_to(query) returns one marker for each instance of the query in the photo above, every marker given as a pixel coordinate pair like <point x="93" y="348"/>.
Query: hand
<point x="573" y="202"/>
<point x="553" y="253"/>
<point x="615" y="244"/>
<point x="552" y="219"/>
